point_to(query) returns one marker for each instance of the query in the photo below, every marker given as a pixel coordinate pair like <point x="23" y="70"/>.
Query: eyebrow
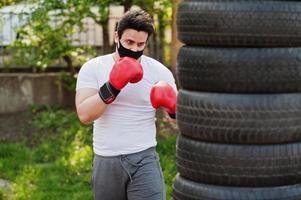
<point x="135" y="42"/>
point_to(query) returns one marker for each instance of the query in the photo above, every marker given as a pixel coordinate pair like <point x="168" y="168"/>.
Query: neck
<point x="116" y="56"/>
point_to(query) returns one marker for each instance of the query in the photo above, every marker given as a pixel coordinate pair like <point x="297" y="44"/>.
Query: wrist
<point x="108" y="93"/>
<point x="173" y="116"/>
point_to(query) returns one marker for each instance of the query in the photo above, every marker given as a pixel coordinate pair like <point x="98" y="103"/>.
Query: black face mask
<point x="124" y="52"/>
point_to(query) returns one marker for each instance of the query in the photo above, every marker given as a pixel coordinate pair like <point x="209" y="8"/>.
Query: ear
<point x="116" y="38"/>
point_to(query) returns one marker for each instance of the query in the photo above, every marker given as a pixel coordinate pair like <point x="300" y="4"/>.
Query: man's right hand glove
<point x="125" y="70"/>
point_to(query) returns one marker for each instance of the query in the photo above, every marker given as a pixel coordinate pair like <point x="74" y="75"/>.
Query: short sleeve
<point x="86" y="77"/>
<point x="171" y="81"/>
<point x="169" y="78"/>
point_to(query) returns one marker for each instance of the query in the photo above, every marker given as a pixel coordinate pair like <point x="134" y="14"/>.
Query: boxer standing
<point x="119" y="93"/>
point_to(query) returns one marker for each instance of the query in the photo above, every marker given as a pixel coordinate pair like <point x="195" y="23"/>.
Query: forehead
<point x="132" y="34"/>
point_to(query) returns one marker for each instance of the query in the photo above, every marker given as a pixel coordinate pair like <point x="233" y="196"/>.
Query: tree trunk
<point x="106" y="47"/>
<point x="70" y="66"/>
<point x="175" y="43"/>
<point x="153" y="46"/>
<point x="161" y="39"/>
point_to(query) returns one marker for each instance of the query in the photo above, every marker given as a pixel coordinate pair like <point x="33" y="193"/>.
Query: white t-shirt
<point x="128" y="124"/>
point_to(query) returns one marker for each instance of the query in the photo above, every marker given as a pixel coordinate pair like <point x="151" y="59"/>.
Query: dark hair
<point x="136" y="19"/>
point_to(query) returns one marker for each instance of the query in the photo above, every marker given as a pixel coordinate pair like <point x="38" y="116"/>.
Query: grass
<point x="55" y="163"/>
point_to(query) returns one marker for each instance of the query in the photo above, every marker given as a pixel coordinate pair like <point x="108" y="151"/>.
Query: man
<point x="119" y="92"/>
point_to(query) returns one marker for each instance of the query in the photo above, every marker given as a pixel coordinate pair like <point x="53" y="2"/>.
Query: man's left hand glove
<point x="163" y="95"/>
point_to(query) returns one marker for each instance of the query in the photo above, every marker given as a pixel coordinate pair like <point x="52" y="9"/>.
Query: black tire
<point x="240" y="23"/>
<point x="239" y="165"/>
<point x="240" y="70"/>
<point x="184" y="189"/>
<point x="248" y="119"/>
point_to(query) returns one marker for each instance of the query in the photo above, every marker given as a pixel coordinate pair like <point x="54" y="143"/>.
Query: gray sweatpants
<point x="128" y="177"/>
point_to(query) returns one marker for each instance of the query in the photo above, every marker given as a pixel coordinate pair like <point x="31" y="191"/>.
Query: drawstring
<point x="134" y="164"/>
<point x="121" y="159"/>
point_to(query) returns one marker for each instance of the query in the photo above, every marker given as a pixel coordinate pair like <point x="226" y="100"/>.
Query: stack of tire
<point x="239" y="109"/>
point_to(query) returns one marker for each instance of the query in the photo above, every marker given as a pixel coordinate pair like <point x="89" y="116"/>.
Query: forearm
<point x="90" y="109"/>
<point x="91" y="103"/>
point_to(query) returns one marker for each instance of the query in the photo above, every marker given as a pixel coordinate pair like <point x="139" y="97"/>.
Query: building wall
<point x="19" y="91"/>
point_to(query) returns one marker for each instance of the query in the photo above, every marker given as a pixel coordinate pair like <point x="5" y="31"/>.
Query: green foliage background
<point x="56" y="163"/>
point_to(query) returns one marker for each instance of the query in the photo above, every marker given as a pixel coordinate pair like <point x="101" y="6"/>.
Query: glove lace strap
<point x="108" y="93"/>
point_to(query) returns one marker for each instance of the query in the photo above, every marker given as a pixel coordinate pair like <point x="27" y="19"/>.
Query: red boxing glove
<point x="163" y="95"/>
<point x="125" y="70"/>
